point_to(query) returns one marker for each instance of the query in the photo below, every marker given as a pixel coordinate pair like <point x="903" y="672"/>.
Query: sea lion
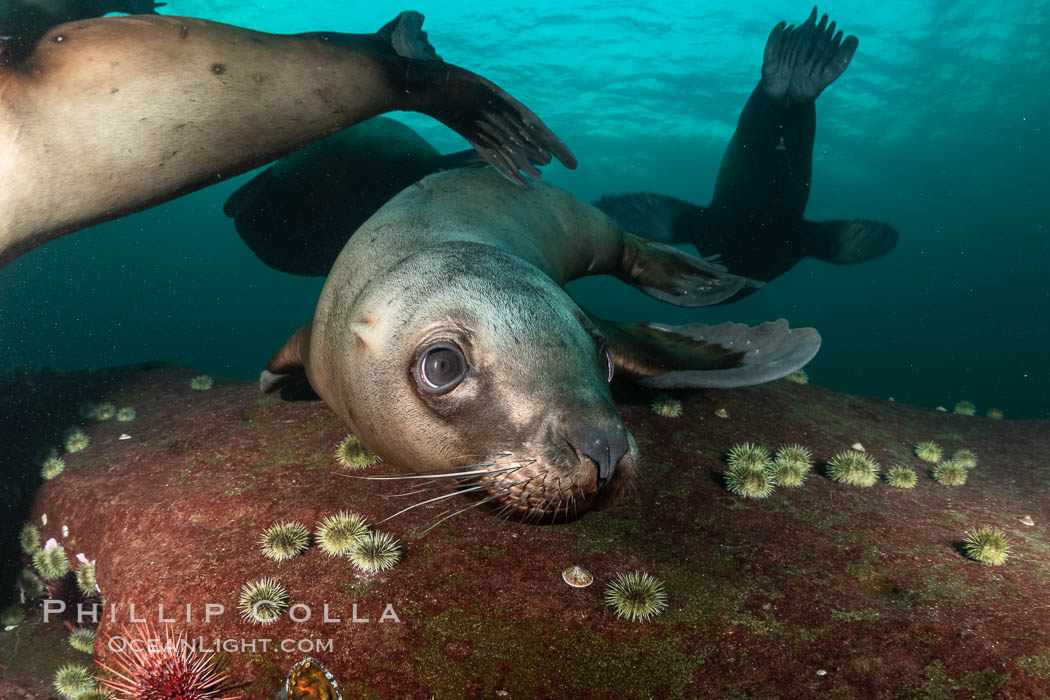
<point x="443" y="338"/>
<point x="109" y="116"/>
<point x="23" y="22"/>
<point x="297" y="214"/>
<point x="755" y="221"/>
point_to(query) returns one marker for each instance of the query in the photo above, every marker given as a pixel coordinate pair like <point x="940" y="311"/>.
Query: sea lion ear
<point x="287" y="364"/>
<point x="700" y="356"/>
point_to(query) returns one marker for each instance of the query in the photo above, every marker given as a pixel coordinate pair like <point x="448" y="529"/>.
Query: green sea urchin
<point x="29" y="538"/>
<point x="965" y="408"/>
<point x="965" y="457"/>
<point x="202" y="382"/>
<point x="126" y="414"/>
<point x="636" y="596"/>
<point x="12" y="615"/>
<point x="791" y="465"/>
<point x="284" y="540"/>
<point x="928" y="451"/>
<point x="949" y="473"/>
<point x="51" y="561"/>
<point x="30" y="584"/>
<point x="87" y="409"/>
<point x="799" y="376"/>
<point x="994" y="413"/>
<point x="73" y="681"/>
<point x="750" y="483"/>
<point x="83" y="639"/>
<point x="853" y="468"/>
<point x="263" y="601"/>
<point x="96" y="694"/>
<point x="987" y="545"/>
<point x="86" y="581"/>
<point x="902" y="477"/>
<point x="77" y="440"/>
<point x="338" y="533"/>
<point x="748" y="455"/>
<point x="105" y="411"/>
<point x="666" y="406"/>
<point x="352" y="454"/>
<point x="375" y="551"/>
<point x="53" y="466"/>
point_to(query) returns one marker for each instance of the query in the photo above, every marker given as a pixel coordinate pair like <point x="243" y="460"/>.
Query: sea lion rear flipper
<point x="654" y="216"/>
<point x="701" y="356"/>
<point x="848" y="241"/>
<point x="504" y="131"/>
<point x="801" y="61"/>
<point x="675" y="277"/>
<point x="288" y="364"/>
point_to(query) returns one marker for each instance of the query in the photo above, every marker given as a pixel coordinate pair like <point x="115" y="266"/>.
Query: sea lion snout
<point x="604" y="447"/>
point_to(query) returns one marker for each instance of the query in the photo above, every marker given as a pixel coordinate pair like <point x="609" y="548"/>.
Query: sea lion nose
<point x="604" y="447"/>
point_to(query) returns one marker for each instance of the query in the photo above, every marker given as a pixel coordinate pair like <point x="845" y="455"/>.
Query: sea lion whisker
<point x="476" y="487"/>
<point x="462" y="510"/>
<point x="437" y="475"/>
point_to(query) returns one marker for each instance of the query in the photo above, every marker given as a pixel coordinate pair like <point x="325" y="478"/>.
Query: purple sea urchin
<point x="987" y="545"/>
<point x="666" y="406"/>
<point x="965" y="457"/>
<point x="352" y="454"/>
<point x="375" y="551"/>
<point x="284" y="540"/>
<point x="750" y="483"/>
<point x="853" y="468"/>
<point x="202" y="382"/>
<point x="928" y="451"/>
<point x="263" y="601"/>
<point x="636" y="596"/>
<point x="338" y="533"/>
<point x="902" y="477"/>
<point x="748" y="455"/>
<point x="949" y="473"/>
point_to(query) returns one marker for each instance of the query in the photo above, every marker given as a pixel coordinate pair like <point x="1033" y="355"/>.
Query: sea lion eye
<point x="605" y="353"/>
<point x="441" y="368"/>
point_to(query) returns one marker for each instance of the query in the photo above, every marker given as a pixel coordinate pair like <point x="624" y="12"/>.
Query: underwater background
<point x="938" y="127"/>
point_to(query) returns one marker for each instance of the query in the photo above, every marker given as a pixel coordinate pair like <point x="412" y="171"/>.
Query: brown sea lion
<point x="443" y="338"/>
<point x="23" y="22"/>
<point x="109" y="116"/>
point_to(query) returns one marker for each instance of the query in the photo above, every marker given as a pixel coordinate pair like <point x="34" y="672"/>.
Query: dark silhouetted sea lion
<point x="755" y="221"/>
<point x="443" y="338"/>
<point x="298" y="214"/>
<point x="109" y="116"/>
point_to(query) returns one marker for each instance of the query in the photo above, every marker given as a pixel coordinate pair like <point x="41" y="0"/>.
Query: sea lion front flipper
<point x="654" y="216"/>
<point x="673" y="276"/>
<point x="288" y="365"/>
<point x="848" y="241"/>
<point x="460" y="159"/>
<point x="701" y="356"/>
<point x="504" y="131"/>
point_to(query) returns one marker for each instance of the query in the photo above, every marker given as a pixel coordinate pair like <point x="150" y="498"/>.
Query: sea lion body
<point x="108" y="116"/>
<point x="755" y="223"/>
<point x="463" y="261"/>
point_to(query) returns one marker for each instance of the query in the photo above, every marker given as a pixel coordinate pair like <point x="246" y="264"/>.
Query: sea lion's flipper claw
<point x="848" y="241"/>
<point x="405" y="34"/>
<point x="287" y="365"/>
<point x="801" y="61"/>
<point x="701" y="356"/>
<point x="675" y="277"/>
<point x="653" y="216"/>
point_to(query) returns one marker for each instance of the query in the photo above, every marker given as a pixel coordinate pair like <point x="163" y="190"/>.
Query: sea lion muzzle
<point x="605" y="448"/>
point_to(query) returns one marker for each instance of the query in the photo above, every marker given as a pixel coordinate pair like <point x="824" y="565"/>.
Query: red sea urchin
<point x="146" y="667"/>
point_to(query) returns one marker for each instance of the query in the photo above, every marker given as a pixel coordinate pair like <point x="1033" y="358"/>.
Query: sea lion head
<point x="465" y="355"/>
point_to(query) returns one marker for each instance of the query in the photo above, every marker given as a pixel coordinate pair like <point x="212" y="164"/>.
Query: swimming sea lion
<point x="297" y="214"/>
<point x="443" y="338"/>
<point x="109" y="116"/>
<point x="23" y="22"/>
<point x="755" y="221"/>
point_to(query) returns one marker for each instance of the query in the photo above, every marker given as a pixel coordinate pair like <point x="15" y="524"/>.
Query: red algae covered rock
<point x="823" y="589"/>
